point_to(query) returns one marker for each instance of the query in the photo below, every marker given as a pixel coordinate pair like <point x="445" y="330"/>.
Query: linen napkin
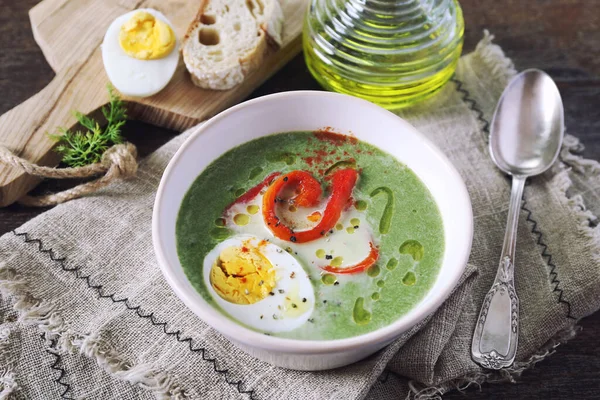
<point x="86" y="313"/>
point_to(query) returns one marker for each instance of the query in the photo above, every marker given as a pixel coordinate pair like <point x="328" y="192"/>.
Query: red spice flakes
<point x="321" y="153"/>
<point x="335" y="139"/>
<point x="320" y="157"/>
<point x="245" y="249"/>
<point x="243" y="280"/>
<point x="316" y="160"/>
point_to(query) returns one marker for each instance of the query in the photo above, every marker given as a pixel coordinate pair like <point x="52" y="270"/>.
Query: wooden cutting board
<point x="69" y="33"/>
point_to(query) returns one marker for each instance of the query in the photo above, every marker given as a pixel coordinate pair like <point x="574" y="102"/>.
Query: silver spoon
<point x="525" y="138"/>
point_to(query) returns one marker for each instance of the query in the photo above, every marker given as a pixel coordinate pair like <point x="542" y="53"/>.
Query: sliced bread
<point x="228" y="39"/>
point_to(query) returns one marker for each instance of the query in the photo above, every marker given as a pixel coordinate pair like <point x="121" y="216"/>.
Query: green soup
<point x="389" y="205"/>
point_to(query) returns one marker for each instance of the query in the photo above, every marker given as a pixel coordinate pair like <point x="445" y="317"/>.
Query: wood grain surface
<point x="69" y="34"/>
<point x="561" y="37"/>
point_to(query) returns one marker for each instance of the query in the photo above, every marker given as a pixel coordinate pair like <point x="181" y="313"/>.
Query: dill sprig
<point x="82" y="148"/>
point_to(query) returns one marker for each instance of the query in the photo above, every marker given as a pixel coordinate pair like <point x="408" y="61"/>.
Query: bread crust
<point x="211" y="69"/>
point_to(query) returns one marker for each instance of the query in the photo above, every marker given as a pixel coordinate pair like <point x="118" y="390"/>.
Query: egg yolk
<point x="242" y="275"/>
<point x="146" y="38"/>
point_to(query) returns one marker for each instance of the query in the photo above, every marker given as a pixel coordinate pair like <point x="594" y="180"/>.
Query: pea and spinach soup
<point x="310" y="235"/>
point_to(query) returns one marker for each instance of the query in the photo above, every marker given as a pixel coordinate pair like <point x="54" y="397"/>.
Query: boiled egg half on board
<point x="140" y="52"/>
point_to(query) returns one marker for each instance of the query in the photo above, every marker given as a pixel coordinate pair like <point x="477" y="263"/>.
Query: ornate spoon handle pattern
<point x="497" y="331"/>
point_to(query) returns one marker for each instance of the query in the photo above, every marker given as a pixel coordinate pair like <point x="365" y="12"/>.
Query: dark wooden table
<point x="561" y="37"/>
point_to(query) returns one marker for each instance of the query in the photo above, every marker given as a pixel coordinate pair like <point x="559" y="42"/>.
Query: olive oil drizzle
<point x="388" y="211"/>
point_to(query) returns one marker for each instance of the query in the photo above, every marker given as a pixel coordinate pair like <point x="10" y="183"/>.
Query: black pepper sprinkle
<point x="293" y="239"/>
<point x="355" y="226"/>
<point x="336" y="283"/>
<point x="294" y="306"/>
<point x="268" y="334"/>
<point x="285" y="179"/>
<point x="328" y="257"/>
<point x="274" y="316"/>
<point x="304" y="299"/>
<point x="324" y="301"/>
<point x="293" y="274"/>
<point x="311" y="320"/>
<point x="280" y="290"/>
<point x="261" y="283"/>
<point x="322" y="233"/>
<point x="261" y="317"/>
<point x="272" y="294"/>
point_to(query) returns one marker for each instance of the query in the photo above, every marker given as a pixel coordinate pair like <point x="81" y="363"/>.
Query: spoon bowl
<point x="527" y="129"/>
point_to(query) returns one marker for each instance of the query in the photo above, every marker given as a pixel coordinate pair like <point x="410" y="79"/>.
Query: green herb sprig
<point x="82" y="148"/>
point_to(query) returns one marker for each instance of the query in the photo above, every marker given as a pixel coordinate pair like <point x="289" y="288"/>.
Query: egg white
<point x="130" y="76"/>
<point x="271" y="308"/>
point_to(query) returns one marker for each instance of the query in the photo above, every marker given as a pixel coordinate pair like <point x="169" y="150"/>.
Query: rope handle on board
<point x="119" y="161"/>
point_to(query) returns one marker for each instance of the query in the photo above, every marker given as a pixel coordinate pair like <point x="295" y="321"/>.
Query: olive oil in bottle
<point x="391" y="52"/>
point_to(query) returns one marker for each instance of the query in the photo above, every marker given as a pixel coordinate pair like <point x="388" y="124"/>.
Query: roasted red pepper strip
<point x="253" y="192"/>
<point x="342" y="184"/>
<point x="360" y="267"/>
<point x="309" y="189"/>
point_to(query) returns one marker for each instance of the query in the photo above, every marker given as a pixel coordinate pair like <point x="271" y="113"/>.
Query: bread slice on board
<point x="228" y="39"/>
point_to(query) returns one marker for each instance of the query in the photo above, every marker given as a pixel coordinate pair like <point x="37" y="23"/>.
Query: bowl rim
<point x="249" y="337"/>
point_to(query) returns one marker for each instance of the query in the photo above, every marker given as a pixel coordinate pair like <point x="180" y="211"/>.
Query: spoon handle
<point x="496" y="334"/>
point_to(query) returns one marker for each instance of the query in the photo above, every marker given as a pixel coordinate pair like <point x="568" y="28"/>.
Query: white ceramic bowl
<point x="307" y="111"/>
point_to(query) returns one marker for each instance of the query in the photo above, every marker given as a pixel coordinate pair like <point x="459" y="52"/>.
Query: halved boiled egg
<point x="140" y="52"/>
<point x="259" y="284"/>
